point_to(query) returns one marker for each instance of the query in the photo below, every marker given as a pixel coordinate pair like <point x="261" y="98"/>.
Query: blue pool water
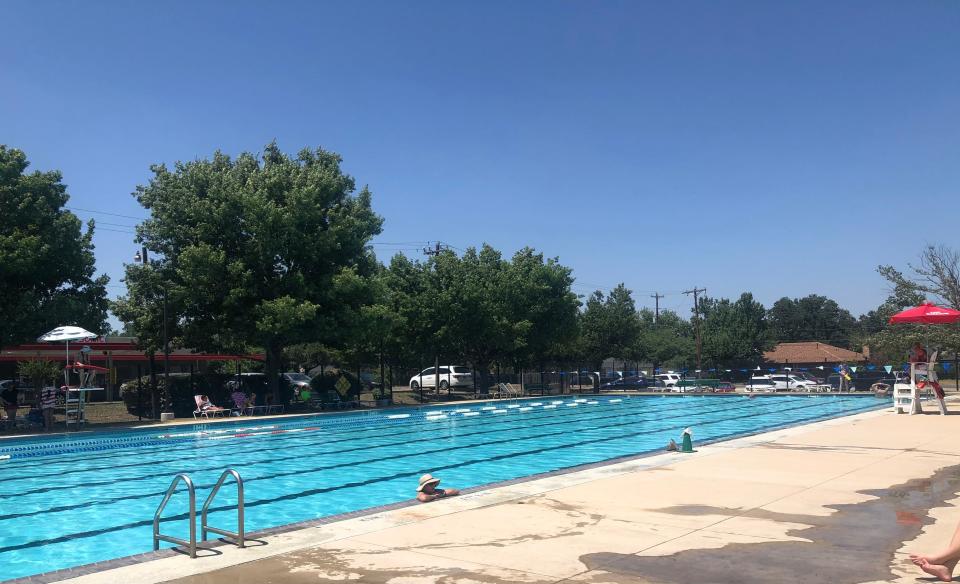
<point x="74" y="500"/>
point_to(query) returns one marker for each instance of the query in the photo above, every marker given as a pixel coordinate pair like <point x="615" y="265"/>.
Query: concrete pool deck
<point x="843" y="500"/>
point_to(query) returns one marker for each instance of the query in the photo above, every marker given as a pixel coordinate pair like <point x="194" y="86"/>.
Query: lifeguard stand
<point x="906" y="393"/>
<point x="77" y="396"/>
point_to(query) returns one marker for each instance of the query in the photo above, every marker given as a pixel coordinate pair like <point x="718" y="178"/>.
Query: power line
<point x="105" y="213"/>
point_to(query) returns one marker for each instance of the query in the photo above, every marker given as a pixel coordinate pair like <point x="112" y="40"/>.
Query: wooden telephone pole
<point x="696" y="323"/>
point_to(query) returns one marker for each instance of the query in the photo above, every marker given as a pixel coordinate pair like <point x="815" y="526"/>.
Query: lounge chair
<point x="205" y="413"/>
<point x="508" y="390"/>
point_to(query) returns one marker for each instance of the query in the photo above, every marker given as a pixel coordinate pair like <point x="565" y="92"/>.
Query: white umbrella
<point x="67" y="333"/>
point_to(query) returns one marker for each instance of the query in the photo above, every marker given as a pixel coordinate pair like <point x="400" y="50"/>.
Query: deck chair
<point x="201" y="413"/>
<point x="507" y="390"/>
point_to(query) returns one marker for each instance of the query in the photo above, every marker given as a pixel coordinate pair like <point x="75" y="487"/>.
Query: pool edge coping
<point x="304" y="533"/>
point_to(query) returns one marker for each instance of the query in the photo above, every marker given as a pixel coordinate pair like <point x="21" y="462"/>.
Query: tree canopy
<point x="811" y="318"/>
<point x="734" y="331"/>
<point x="256" y="251"/>
<point x="47" y="272"/>
<point x="609" y="326"/>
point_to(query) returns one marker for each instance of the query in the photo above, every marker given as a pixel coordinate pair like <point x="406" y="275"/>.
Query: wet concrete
<point x="328" y="565"/>
<point x="854" y="544"/>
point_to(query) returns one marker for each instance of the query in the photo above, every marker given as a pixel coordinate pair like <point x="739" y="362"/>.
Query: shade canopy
<point x="927" y="313"/>
<point x="67" y="333"/>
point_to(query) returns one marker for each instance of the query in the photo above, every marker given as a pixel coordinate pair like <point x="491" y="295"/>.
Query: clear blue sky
<point x="761" y="146"/>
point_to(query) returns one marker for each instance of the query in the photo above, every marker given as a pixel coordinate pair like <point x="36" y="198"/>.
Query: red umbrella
<point x="927" y="313"/>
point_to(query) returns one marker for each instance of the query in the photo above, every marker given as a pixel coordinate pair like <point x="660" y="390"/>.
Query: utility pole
<point x="656" y="318"/>
<point x="434" y="252"/>
<point x="696" y="322"/>
<point x="656" y="297"/>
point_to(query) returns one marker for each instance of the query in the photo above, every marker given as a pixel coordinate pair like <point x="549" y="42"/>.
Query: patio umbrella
<point x="926" y="313"/>
<point x="67" y="333"/>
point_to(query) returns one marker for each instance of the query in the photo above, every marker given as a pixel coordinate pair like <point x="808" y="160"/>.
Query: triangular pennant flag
<point x="871" y="367"/>
<point x="888" y="368"/>
<point x="854" y="369"/>
<point x="820" y="367"/>
<point x="837" y="369"/>
<point x="772" y="369"/>
<point x="743" y="371"/>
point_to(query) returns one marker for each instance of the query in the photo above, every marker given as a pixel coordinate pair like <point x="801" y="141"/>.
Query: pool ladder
<point x="191" y="545"/>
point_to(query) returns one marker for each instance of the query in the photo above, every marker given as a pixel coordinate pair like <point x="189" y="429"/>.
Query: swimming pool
<point x="73" y="500"/>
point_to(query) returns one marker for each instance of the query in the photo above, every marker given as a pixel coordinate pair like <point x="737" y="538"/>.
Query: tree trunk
<point x="483" y="385"/>
<point x="273" y="355"/>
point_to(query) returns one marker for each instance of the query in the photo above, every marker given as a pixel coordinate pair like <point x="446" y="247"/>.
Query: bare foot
<point x="916" y="558"/>
<point x="940" y="572"/>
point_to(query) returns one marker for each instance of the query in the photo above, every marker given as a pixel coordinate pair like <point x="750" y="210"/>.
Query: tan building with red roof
<point x="812" y="353"/>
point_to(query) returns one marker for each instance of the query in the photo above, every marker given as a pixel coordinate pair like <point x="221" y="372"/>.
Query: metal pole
<point x="166" y="347"/>
<point x="139" y="393"/>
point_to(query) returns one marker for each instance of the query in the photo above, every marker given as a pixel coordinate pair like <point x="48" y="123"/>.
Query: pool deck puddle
<point x="843" y="500"/>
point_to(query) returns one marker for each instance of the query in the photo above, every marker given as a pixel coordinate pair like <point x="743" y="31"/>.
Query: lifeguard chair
<point x="907" y="392"/>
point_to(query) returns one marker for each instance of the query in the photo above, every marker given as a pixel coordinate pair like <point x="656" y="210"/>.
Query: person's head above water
<point x="427" y="483"/>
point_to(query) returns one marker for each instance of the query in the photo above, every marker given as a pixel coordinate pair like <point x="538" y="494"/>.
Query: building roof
<point x="109" y="348"/>
<point x="812" y="352"/>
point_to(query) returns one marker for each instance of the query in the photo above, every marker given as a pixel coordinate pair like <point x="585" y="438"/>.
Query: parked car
<point x="669" y="379"/>
<point x="788" y="382"/>
<point x="725" y="387"/>
<point x="761" y="383"/>
<point x="625" y="383"/>
<point x="449" y="376"/>
<point x="808" y="376"/>
<point x="298" y="381"/>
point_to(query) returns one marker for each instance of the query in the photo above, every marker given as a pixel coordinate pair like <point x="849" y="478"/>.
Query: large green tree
<point x="609" y="326"/>
<point x="477" y="306"/>
<point x="811" y="318"/>
<point x="664" y="341"/>
<point x="253" y="252"/>
<point x="47" y="272"/>
<point x="734" y="331"/>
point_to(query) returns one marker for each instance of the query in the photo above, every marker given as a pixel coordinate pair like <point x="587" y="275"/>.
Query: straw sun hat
<point x="427" y="479"/>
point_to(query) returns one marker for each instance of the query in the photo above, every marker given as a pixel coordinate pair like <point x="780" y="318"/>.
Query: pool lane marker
<point x="398" y="416"/>
<point x="264" y="431"/>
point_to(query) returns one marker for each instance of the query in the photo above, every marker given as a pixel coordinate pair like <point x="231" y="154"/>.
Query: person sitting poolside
<point x="428" y="491"/>
<point x="207" y="406"/>
<point x="941" y="565"/>
<point x="239" y="400"/>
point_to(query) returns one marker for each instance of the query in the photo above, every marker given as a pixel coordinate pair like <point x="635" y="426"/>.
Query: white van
<point x="669" y="379"/>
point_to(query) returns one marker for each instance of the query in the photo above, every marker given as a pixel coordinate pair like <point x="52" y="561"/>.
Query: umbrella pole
<point x="66" y="368"/>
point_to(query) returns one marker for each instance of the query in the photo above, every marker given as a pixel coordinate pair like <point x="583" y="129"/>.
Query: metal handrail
<point x="238" y="536"/>
<point x="157" y="536"/>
